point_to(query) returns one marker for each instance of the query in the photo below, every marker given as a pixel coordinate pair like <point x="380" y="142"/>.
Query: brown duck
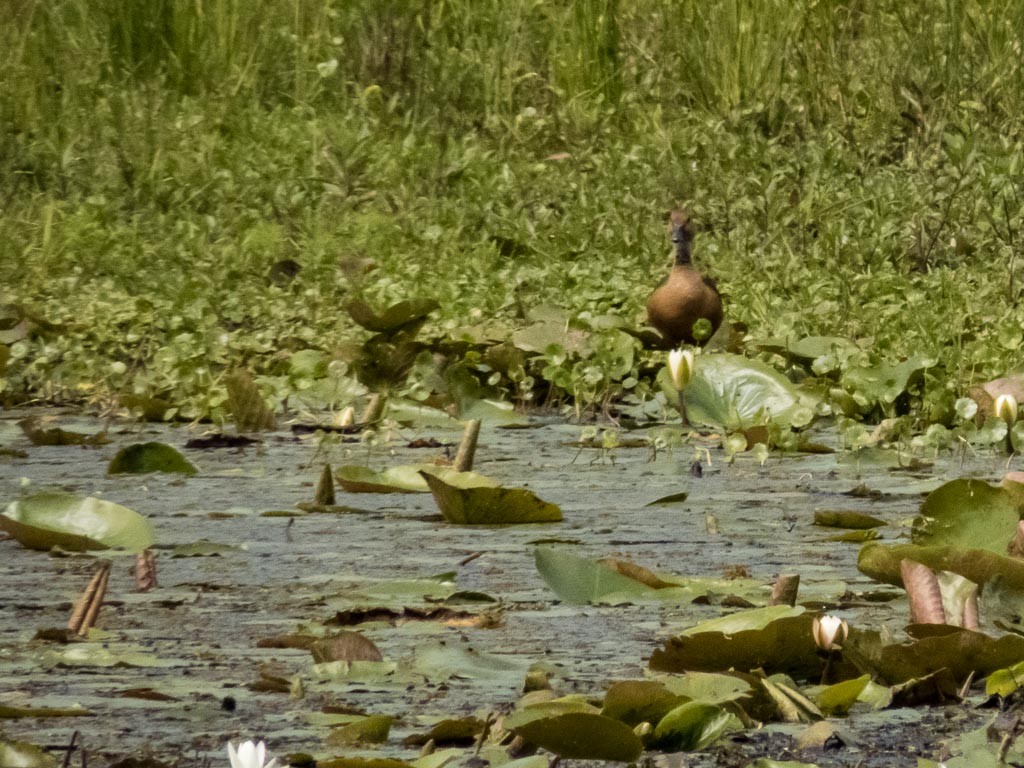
<point x="686" y="296"/>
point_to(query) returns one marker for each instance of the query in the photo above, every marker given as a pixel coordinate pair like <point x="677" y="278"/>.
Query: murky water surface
<point x="202" y="625"/>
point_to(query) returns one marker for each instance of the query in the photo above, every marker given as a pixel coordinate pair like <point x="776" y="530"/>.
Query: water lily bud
<point x="680" y="366"/>
<point x="1006" y="408"/>
<point x="829" y="632"/>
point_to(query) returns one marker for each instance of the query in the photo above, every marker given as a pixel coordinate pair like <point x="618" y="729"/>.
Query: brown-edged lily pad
<point x="466" y="498"/>
<point x="579" y="580"/>
<point x="345" y="646"/>
<point x="75" y="523"/>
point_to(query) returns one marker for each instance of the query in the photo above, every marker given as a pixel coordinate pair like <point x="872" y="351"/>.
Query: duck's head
<point x="682" y="235"/>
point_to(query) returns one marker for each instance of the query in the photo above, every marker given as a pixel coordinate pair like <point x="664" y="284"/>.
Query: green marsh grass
<point x="844" y="159"/>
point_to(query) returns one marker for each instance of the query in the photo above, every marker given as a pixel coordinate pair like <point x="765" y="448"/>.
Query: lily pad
<point x="638" y="701"/>
<point x="142" y="458"/>
<point x="356" y="478"/>
<point x="579" y="580"/>
<point x="969" y="514"/>
<point x="883" y="383"/>
<point x="466" y="498"/>
<point x="584" y="736"/>
<point x="882" y="563"/>
<point x="837" y="699"/>
<point x="204" y="548"/>
<point x="692" y="726"/>
<point x="782" y="645"/>
<point x="22" y="754"/>
<point x="75" y="523"/>
<point x="846" y="519"/>
<point x="733" y="392"/>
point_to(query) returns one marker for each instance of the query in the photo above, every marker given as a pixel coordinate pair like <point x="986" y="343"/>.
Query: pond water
<point x="196" y="635"/>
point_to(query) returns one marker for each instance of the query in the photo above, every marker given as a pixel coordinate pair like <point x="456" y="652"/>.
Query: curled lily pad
<point x="692" y="726"/>
<point x="75" y="523"/>
<point x="584" y="736"/>
<point x="466" y="498"/>
<point x="736" y="393"/>
<point x="882" y="563"/>
<point x="142" y="458"/>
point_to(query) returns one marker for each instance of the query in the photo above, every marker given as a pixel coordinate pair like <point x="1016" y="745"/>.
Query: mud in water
<point x="196" y="635"/>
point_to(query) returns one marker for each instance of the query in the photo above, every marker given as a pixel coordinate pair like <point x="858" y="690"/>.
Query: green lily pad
<point x="17" y="713"/>
<point x="969" y="514"/>
<point x="584" y="736"/>
<point x="143" y="458"/>
<point x="22" y="754"/>
<point x="733" y="392"/>
<point x="355" y="478"/>
<point x="709" y="687"/>
<point x="882" y="563"/>
<point x="204" y="548"/>
<point x="883" y="383"/>
<point x="579" y="580"/>
<point x="846" y="519"/>
<point x="672" y="498"/>
<point x="837" y="699"/>
<point x="692" y="726"/>
<point x="372" y="729"/>
<point x="782" y="645"/>
<point x="75" y="523"/>
<point x="395" y="318"/>
<point x="466" y="498"/>
<point x="743" y="621"/>
<point x="639" y="701"/>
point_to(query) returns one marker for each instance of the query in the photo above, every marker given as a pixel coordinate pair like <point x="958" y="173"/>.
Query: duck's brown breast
<point x="683" y="299"/>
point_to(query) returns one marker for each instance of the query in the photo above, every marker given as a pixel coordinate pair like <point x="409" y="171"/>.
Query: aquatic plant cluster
<point x="194" y="191"/>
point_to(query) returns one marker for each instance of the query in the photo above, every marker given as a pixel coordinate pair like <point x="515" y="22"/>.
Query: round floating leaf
<point x="142" y="458"/>
<point x="691" y="726"/>
<point x="843" y="518"/>
<point x="579" y="580"/>
<point x="882" y="563"/>
<point x="885" y="382"/>
<point x="355" y="478"/>
<point x="584" y="736"/>
<point x="465" y="498"/>
<point x="638" y="701"/>
<point x="736" y="393"/>
<point x="22" y="754"/>
<point x="967" y="513"/>
<point x="75" y="523"/>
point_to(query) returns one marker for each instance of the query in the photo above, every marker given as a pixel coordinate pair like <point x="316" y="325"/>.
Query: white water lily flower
<point x="829" y="632"/>
<point x="249" y="755"/>
<point x="680" y="366"/>
<point x="1006" y="408"/>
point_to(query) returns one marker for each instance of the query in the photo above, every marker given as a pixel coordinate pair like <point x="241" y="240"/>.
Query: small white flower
<point x="1006" y="408"/>
<point x="680" y="366"/>
<point x="829" y="632"/>
<point x="249" y="755"/>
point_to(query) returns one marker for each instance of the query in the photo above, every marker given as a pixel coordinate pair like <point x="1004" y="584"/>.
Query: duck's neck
<point x="682" y="244"/>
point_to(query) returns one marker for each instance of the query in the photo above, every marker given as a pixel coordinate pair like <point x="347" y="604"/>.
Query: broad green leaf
<point x="142" y="458"/>
<point x="579" y="580"/>
<point x="970" y="514"/>
<point x="837" y="699"/>
<point x="882" y="563"/>
<point x="584" y="736"/>
<point x="356" y="478"/>
<point x="373" y="729"/>
<point x="75" y="523"/>
<point x="708" y="687"/>
<point x="883" y="383"/>
<point x="22" y="754"/>
<point x="638" y="701"/>
<point x="741" y="621"/>
<point x="692" y="726"/>
<point x="736" y="393"/>
<point x="784" y="645"/>
<point x="465" y="498"/>
<point x="846" y="519"/>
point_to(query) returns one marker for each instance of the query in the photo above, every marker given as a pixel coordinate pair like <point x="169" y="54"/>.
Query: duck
<point x="686" y="295"/>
